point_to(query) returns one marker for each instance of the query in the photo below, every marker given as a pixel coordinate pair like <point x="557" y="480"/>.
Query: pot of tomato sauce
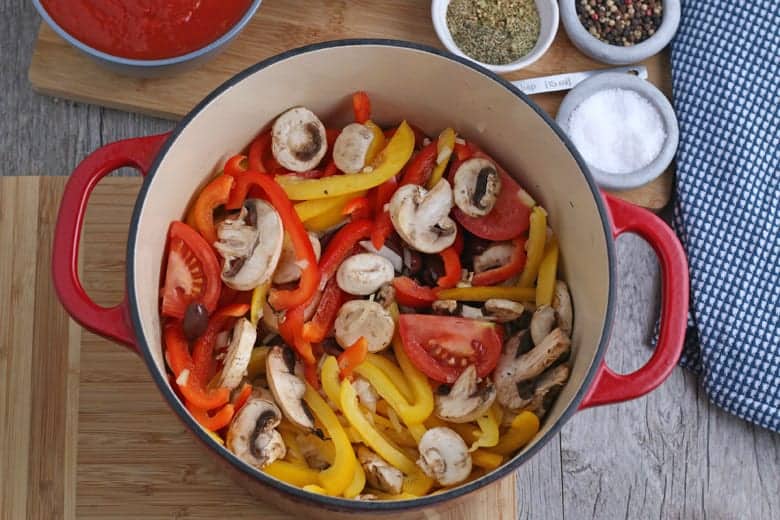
<point x="434" y="90"/>
<point x="145" y="37"/>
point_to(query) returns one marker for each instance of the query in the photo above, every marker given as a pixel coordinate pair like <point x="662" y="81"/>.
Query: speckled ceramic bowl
<point x="615" y="54"/>
<point x="611" y="80"/>
<point x="549" y="18"/>
<point x="152" y="68"/>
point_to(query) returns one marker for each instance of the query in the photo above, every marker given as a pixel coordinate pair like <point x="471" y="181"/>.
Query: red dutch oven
<point x="435" y="90"/>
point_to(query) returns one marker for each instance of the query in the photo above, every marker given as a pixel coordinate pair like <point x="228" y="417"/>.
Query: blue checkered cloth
<point x="726" y="82"/>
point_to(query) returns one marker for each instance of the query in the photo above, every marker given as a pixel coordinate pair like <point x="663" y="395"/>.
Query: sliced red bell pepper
<point x="357" y="208"/>
<point x="383" y="225"/>
<point x="420" y="167"/>
<point x="451" y="260"/>
<point x="291" y="330"/>
<point x="505" y="272"/>
<point x="215" y="194"/>
<point x="257" y="151"/>
<point x="411" y="294"/>
<point x="214" y="422"/>
<point x="330" y="169"/>
<point x="281" y="299"/>
<point x="464" y="151"/>
<point x="177" y="349"/>
<point x="458" y="244"/>
<point x="243" y="396"/>
<point x="204" y="363"/>
<point x="341" y="244"/>
<point x="236" y="165"/>
<point x="361" y="105"/>
<point x="353" y="356"/>
<point x="321" y="323"/>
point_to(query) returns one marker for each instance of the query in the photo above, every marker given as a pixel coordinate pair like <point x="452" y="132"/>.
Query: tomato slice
<point x="192" y="273"/>
<point x="441" y="347"/>
<point x="509" y="217"/>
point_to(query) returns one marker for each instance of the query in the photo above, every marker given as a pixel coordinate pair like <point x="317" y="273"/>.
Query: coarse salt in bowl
<point x="623" y="126"/>
<point x="548" y="17"/>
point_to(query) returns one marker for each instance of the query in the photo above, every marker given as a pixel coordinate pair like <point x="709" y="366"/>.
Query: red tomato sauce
<point x="146" y="29"/>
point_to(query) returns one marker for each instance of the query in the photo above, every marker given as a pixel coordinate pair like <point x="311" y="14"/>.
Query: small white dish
<point x="549" y="18"/>
<point x="613" y="80"/>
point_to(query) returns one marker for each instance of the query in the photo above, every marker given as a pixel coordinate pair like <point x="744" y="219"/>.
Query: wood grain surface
<point x="670" y="455"/>
<point x="58" y="69"/>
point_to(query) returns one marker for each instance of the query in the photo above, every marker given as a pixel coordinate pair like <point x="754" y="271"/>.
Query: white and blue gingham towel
<point x="726" y="79"/>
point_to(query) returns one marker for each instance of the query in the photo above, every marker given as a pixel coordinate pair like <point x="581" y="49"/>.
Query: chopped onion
<point x="526" y="198"/>
<point x="386" y="252"/>
<point x="183" y="377"/>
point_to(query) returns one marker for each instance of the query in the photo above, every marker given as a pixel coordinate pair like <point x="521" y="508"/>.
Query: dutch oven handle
<point x="110" y="322"/>
<point x="609" y="386"/>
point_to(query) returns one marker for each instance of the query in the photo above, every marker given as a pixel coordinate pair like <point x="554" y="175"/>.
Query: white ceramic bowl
<point x="548" y="14"/>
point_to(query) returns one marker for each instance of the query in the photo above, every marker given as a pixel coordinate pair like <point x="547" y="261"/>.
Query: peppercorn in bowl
<point x="620" y="32"/>
<point x="207" y="225"/>
<point x="500" y="35"/>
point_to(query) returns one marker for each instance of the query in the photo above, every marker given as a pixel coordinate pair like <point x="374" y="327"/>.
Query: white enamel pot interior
<point x="432" y="90"/>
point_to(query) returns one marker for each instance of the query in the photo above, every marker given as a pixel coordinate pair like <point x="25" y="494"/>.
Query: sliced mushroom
<point x="311" y="450"/>
<point x="494" y="256"/>
<point x="547" y="388"/>
<point x="503" y="311"/>
<point x="288" y="388"/>
<point x="542" y="322"/>
<point x="298" y="140"/>
<point x="365" y="318"/>
<point x="364" y="273"/>
<point x="519" y="363"/>
<point x="252" y="436"/>
<point x="250" y="244"/>
<point x="385" y="251"/>
<point x="366" y="393"/>
<point x="466" y="400"/>
<point x="444" y="456"/>
<point x="471" y="312"/>
<point x="385" y="296"/>
<point x="445" y="307"/>
<point x="239" y="353"/>
<point x="289" y="269"/>
<point x="351" y="147"/>
<point x="562" y="304"/>
<point x="271" y="317"/>
<point x="380" y="474"/>
<point x="421" y="217"/>
<point x="476" y="186"/>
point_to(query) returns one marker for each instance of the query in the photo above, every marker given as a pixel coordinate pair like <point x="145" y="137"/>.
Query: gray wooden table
<point x="671" y="454"/>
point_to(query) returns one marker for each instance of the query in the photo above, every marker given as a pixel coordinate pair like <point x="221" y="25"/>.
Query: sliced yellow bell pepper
<point x="293" y="474"/>
<point x="400" y="496"/>
<point x="389" y="162"/>
<point x="339" y="475"/>
<point x="259" y="295"/>
<point x="293" y="450"/>
<point x="358" y="483"/>
<point x="417" y="431"/>
<point x="444" y="146"/>
<point x="385" y="387"/>
<point x="524" y="427"/>
<point x="485" y="459"/>
<point x="310" y="209"/>
<point x="423" y="395"/>
<point x="482" y="294"/>
<point x="329" y="375"/>
<point x="314" y="488"/>
<point x="545" y="283"/>
<point x="537" y="236"/>
<point x="391" y="453"/>
<point x="488" y="436"/>
<point x="257" y="360"/>
<point x="377" y="143"/>
<point x="324" y="222"/>
<point x="417" y="483"/>
<point x="393" y="372"/>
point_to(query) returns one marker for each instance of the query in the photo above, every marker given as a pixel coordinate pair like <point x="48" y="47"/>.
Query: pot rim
<point x="344" y="504"/>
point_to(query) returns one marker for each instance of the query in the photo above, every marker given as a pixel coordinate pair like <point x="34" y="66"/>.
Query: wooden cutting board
<point x="83" y="429"/>
<point x="59" y="70"/>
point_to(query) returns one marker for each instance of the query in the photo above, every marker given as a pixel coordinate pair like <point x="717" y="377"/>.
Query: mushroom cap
<point x="421" y="217"/>
<point x="496" y="255"/>
<point x="239" y="353"/>
<point x="444" y="456"/>
<point x="351" y="147"/>
<point x="562" y="304"/>
<point x="542" y="322"/>
<point x="251" y="245"/>
<point x="252" y="436"/>
<point x="287" y="387"/>
<point x="288" y="269"/>
<point x="466" y="401"/>
<point x="476" y="186"/>
<point x="364" y="273"/>
<point x="502" y="310"/>
<point x="364" y="318"/>
<point x="298" y="139"/>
